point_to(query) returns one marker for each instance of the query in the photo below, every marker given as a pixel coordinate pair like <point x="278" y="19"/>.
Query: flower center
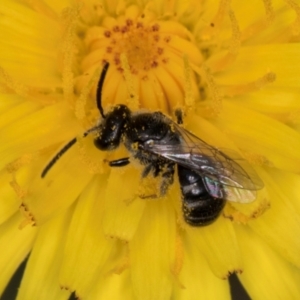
<point x="147" y="58"/>
<point x="143" y="44"/>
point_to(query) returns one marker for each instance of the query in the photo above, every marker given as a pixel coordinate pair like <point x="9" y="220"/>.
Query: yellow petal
<point x="281" y="31"/>
<point x="267" y="275"/>
<point x="278" y="225"/>
<point x="25" y="47"/>
<point x="59" y="188"/>
<point x="44" y="262"/>
<point x="113" y="286"/>
<point x="149" y="94"/>
<point x="86" y="246"/>
<point x="179" y="46"/>
<point x="122" y="205"/>
<point x="253" y="62"/>
<point x="175" y="29"/>
<point x="197" y="281"/>
<point x="95" y="57"/>
<point x="122" y="92"/>
<point x="208" y="132"/>
<point x="260" y="135"/>
<point x="15" y="245"/>
<point x="58" y="6"/>
<point x="18" y="110"/>
<point x="152" y="252"/>
<point x="132" y="12"/>
<point x="9" y="203"/>
<point x="40" y="129"/>
<point x="288" y="184"/>
<point x="172" y="89"/>
<point x="278" y="102"/>
<point x="109" y="88"/>
<point x="218" y="244"/>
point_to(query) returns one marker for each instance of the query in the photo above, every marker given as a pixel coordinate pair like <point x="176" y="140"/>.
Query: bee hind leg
<point x="167" y="177"/>
<point x="147" y="170"/>
<point x="165" y="170"/>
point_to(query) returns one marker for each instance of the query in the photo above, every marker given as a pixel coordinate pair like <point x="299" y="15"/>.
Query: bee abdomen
<point x="198" y="206"/>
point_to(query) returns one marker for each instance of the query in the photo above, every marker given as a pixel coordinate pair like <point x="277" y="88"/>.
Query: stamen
<point x="29" y="218"/>
<point x="189" y="98"/>
<point x="26" y="222"/>
<point x="71" y="16"/>
<point x="179" y="259"/>
<point x="236" y="34"/>
<point x="265" y="205"/>
<point x="257" y="159"/>
<point x="133" y="99"/>
<point x="94" y="167"/>
<point x="13" y="84"/>
<point x="20" y="192"/>
<point x="211" y="29"/>
<point x="121" y="266"/>
<point x="296" y="8"/>
<point x="35" y="94"/>
<point x="269" y="11"/>
<point x="25" y="159"/>
<point x="230" y="212"/>
<point x="261" y="24"/>
<point x="234" y="215"/>
<point x="215" y="24"/>
<point x="249" y="87"/>
<point x="215" y="104"/>
<point x="148" y="188"/>
<point x="81" y="100"/>
<point x="253" y="29"/>
<point x="234" y="46"/>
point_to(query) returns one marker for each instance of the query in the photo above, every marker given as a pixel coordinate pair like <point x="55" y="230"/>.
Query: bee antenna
<point x="99" y="89"/>
<point x="57" y="156"/>
<point x="73" y="141"/>
<point x="64" y="149"/>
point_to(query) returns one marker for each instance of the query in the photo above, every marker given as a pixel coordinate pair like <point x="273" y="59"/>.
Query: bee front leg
<point x="119" y="162"/>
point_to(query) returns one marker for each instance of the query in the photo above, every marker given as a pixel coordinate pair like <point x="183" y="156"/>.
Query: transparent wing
<point x="223" y="170"/>
<point x="218" y="190"/>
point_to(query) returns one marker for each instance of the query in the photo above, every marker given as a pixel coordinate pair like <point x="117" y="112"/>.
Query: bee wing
<point x="230" y="193"/>
<point x="225" y="169"/>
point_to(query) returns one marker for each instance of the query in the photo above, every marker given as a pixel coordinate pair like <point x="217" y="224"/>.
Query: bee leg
<point x="153" y="196"/>
<point x="119" y="162"/>
<point x="167" y="178"/>
<point x="179" y="116"/>
<point x="157" y="169"/>
<point x="150" y="167"/>
<point x="154" y="167"/>
<point x="147" y="170"/>
<point x="166" y="171"/>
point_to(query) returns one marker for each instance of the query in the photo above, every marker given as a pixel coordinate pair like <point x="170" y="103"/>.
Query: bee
<point x="208" y="177"/>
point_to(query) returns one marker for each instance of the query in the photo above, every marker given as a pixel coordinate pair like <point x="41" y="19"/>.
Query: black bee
<point x="207" y="176"/>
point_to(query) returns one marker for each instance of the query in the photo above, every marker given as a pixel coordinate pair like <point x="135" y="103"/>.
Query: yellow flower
<point x="231" y="68"/>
